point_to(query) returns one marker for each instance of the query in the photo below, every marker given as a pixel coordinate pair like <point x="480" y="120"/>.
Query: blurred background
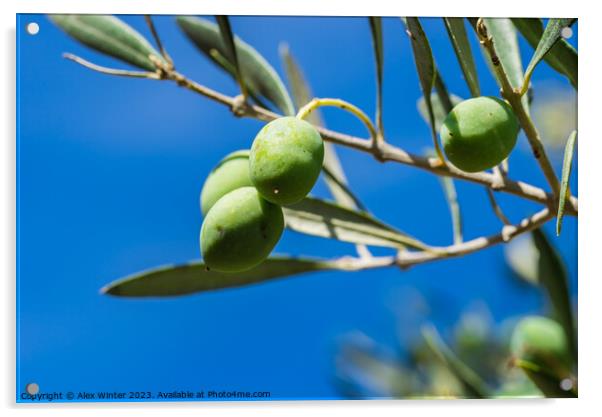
<point x="109" y="175"/>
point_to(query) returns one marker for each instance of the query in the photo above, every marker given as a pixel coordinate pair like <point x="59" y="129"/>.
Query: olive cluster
<point x="242" y="197"/>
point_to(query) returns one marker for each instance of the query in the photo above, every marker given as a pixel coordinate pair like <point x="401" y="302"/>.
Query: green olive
<point x="240" y="231"/>
<point x="231" y="173"/>
<point x="286" y="160"/>
<point x="541" y="341"/>
<point x="479" y="133"/>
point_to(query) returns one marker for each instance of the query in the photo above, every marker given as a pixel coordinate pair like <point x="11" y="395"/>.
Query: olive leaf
<point x="228" y="39"/>
<point x="110" y="36"/>
<point x="377" y="42"/>
<point x="553" y="277"/>
<point x="567" y="164"/>
<point x="322" y="218"/>
<point x="472" y="383"/>
<point x="548" y="383"/>
<point x="194" y="277"/>
<point x="505" y="41"/>
<point x="302" y="94"/>
<point x="459" y="39"/>
<point x="549" y="45"/>
<point x="427" y="73"/>
<point x="259" y="76"/>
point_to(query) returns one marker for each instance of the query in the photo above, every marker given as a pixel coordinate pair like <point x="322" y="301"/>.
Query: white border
<point x="590" y="151"/>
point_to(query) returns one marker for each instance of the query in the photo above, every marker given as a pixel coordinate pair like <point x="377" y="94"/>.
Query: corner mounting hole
<point x="32" y="388"/>
<point x="32" y="28"/>
<point x="567" y="33"/>
<point x="566" y="384"/>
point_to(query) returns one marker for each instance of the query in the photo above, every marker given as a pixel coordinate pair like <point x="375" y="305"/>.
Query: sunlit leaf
<point x="562" y="56"/>
<point x="457" y="34"/>
<point x="566" y="175"/>
<point x="321" y="218"/>
<point x="473" y="385"/>
<point x="109" y="35"/>
<point x="173" y="280"/>
<point x="260" y="77"/>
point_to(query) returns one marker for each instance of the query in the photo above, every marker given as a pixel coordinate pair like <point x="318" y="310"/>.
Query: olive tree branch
<point x="407" y="259"/>
<point x="514" y="98"/>
<point x="386" y="151"/>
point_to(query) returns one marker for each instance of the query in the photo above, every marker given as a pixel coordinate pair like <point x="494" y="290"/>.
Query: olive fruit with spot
<point x="240" y="231"/>
<point x="541" y="341"/>
<point x="231" y="173"/>
<point x="286" y="159"/>
<point x="479" y="133"/>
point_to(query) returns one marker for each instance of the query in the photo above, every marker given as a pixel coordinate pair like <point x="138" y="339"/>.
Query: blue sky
<point x="109" y="174"/>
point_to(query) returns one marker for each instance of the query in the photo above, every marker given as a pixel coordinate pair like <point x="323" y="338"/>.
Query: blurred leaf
<point x="505" y="41"/>
<point x="548" y="383"/>
<point x="439" y="111"/>
<point x="472" y="383"/>
<point x="451" y="196"/>
<point x="552" y="275"/>
<point x="321" y="218"/>
<point x="554" y="112"/>
<point x="522" y="257"/>
<point x="377" y="41"/>
<point x="228" y="40"/>
<point x="550" y="36"/>
<point x="173" y="280"/>
<point x="457" y="34"/>
<point x="302" y="94"/>
<point x="109" y="35"/>
<point x="566" y="175"/>
<point x="562" y="56"/>
<point x="260" y="78"/>
<point x="425" y="65"/>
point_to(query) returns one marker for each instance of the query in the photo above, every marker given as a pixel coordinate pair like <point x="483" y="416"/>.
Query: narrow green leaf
<point x="548" y="39"/>
<point x="425" y="65"/>
<point x="459" y="39"/>
<point x="567" y="165"/>
<point x="321" y="218"/>
<point x="228" y="40"/>
<point x="260" y="78"/>
<point x="302" y="94"/>
<point x="545" y="380"/>
<point x="377" y="42"/>
<point x="439" y="110"/>
<point x="472" y="383"/>
<point x="553" y="277"/>
<point x="110" y="36"/>
<point x="451" y="196"/>
<point x="505" y="41"/>
<point x="562" y="57"/>
<point x="173" y="280"/>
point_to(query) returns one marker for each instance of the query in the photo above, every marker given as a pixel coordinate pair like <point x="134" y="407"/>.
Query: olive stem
<point x="386" y="152"/>
<point x="342" y="104"/>
<point x="514" y="98"/>
<point x="153" y="29"/>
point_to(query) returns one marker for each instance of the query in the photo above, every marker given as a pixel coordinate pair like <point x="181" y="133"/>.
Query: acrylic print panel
<point x="327" y="243"/>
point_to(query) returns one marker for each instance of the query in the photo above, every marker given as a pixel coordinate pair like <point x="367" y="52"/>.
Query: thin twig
<point x="496" y="208"/>
<point x="407" y="259"/>
<point x="387" y="152"/>
<point x="110" y="71"/>
<point x="514" y="98"/>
